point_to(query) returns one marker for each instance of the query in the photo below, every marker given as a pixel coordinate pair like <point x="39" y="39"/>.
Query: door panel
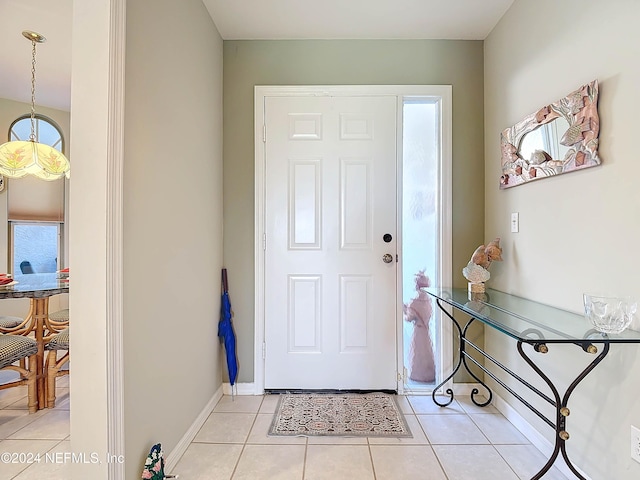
<point x="330" y="300"/>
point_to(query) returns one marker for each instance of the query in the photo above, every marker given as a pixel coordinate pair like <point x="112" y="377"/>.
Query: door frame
<point x="441" y="94"/>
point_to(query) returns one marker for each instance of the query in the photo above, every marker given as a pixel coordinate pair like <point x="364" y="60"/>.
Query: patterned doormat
<point x="342" y="414"/>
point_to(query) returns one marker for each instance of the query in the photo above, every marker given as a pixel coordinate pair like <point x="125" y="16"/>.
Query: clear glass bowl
<point x="609" y="314"/>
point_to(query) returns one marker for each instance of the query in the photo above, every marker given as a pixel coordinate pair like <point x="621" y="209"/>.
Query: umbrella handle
<point x="225" y="285"/>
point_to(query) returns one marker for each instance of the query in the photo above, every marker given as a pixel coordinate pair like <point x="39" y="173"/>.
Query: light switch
<point x="515" y="222"/>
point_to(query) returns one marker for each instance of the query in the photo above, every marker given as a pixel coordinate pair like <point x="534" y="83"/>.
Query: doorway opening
<point x="293" y="118"/>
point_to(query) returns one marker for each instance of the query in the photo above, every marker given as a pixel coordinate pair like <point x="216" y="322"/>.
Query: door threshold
<point x="283" y="391"/>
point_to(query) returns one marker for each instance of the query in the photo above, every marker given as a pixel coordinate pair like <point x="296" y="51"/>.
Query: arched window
<point x="35" y="208"/>
<point x="46" y="131"/>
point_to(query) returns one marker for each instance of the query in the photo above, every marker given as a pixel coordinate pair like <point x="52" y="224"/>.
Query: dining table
<point x="38" y="288"/>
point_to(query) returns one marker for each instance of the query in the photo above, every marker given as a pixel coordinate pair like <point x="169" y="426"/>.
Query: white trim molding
<point x="241" y="389"/>
<point x="95" y="204"/>
<point x="115" y="269"/>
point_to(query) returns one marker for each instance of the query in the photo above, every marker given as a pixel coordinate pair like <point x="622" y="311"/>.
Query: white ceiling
<point x="51" y="18"/>
<point x="235" y="20"/>
<point x="362" y="19"/>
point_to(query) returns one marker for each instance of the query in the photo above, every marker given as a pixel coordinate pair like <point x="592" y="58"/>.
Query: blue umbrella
<point x="226" y="333"/>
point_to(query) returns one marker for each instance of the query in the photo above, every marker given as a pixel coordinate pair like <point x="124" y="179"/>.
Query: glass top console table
<point x="534" y="324"/>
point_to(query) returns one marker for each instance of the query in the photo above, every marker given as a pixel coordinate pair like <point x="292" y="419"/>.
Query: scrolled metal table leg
<point x="462" y="360"/>
<point x="562" y="411"/>
<point x="475" y="391"/>
<point x="449" y="391"/>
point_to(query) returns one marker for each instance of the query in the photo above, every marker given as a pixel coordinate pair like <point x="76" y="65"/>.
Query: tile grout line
<point x="373" y="465"/>
<point x="235" y="467"/>
<point x="304" y="458"/>
<point x="444" y="472"/>
<point x="246" y="439"/>
<point x="480" y="430"/>
<point x="507" y="462"/>
<point x="493" y="445"/>
<point x="435" y="455"/>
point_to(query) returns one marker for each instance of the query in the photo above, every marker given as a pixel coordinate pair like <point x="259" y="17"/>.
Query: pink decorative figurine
<point x="422" y="366"/>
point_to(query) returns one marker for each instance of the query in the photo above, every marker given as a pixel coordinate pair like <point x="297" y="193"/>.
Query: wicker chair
<point x="53" y="365"/>
<point x="57" y="321"/>
<point x="15" y="348"/>
<point x="60" y="316"/>
<point x="8" y="322"/>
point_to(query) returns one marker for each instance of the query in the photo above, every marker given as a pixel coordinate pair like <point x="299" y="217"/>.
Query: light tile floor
<point x="24" y="435"/>
<point x="459" y="442"/>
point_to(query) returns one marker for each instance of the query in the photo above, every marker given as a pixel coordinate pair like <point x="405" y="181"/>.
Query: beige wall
<point x="172" y="222"/>
<point x="9" y="111"/>
<point x="579" y="232"/>
<point x="368" y="62"/>
<point x="171" y="252"/>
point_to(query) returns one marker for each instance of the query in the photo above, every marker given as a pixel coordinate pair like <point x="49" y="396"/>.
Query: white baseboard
<point x="240" y="389"/>
<point x="461" y="389"/>
<point x="467" y="388"/>
<point x="176" y="454"/>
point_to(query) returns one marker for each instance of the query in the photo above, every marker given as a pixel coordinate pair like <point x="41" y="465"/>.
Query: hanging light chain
<point x="40" y="160"/>
<point x="32" y="137"/>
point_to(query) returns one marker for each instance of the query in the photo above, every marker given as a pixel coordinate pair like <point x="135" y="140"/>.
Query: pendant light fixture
<point x="28" y="157"/>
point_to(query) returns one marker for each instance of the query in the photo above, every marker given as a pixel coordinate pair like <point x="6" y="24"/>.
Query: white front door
<point x="330" y="219"/>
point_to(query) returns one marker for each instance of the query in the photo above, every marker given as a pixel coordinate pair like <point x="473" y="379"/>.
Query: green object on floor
<point x="154" y="465"/>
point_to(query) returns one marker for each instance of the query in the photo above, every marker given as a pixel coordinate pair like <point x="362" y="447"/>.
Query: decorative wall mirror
<point x="558" y="138"/>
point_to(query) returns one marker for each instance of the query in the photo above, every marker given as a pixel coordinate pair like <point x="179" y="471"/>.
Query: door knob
<point x="387" y="258"/>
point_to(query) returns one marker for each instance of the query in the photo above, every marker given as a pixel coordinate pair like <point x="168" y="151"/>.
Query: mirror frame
<point x="580" y="109"/>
